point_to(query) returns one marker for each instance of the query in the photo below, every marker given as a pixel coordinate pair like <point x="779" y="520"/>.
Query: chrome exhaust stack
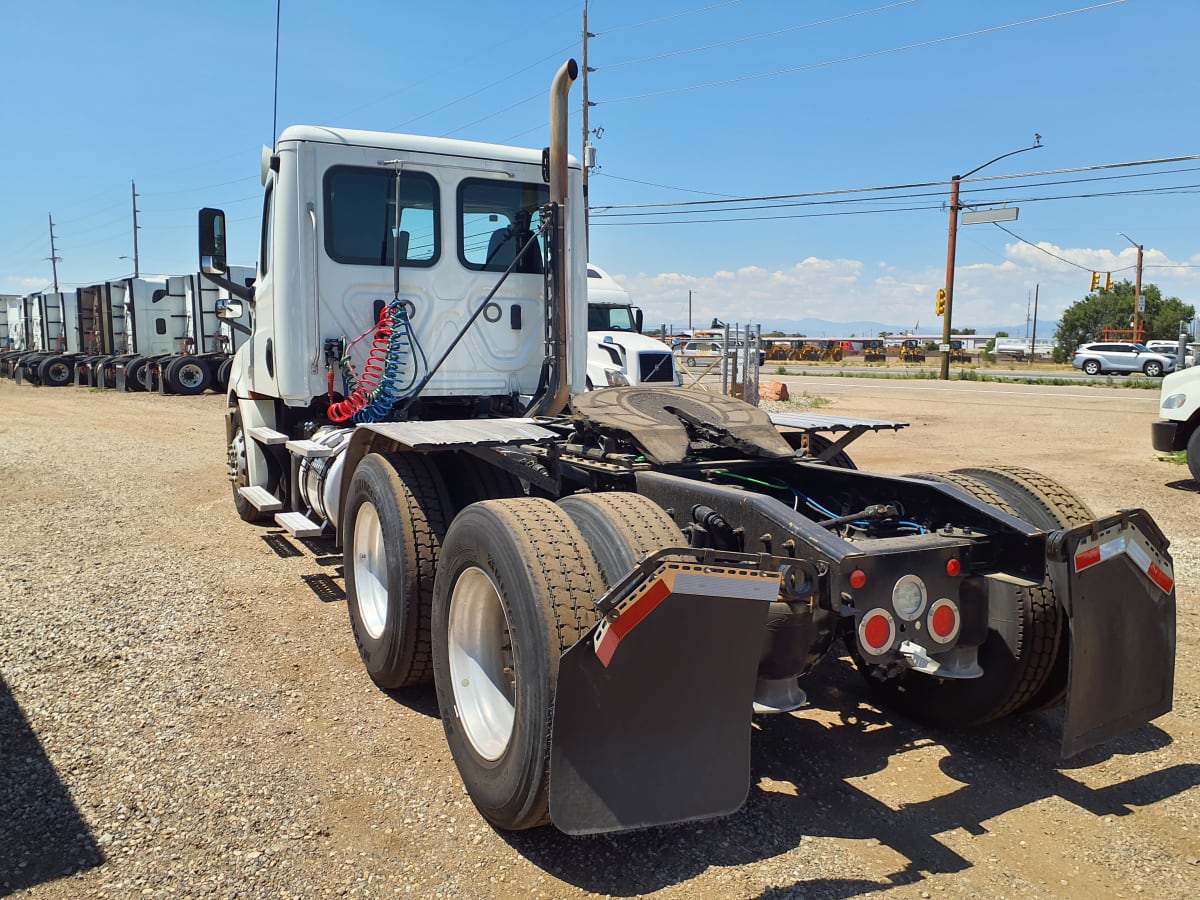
<point x="554" y="400"/>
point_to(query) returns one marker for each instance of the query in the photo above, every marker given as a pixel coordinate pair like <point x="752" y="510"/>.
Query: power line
<point x="753" y="37"/>
<point x="911" y="186"/>
<point x="861" y="56"/>
<point x="666" y="187"/>
<point x="670" y="18"/>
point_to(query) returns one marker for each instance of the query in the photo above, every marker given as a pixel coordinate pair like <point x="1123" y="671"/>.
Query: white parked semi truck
<point x="618" y="354"/>
<point x="156" y="333"/>
<point x="1178" y="427"/>
<point x="605" y="586"/>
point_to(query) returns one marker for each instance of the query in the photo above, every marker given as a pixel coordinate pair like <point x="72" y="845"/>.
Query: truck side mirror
<point x="229" y="309"/>
<point x="637" y="320"/>
<point x="212" y="242"/>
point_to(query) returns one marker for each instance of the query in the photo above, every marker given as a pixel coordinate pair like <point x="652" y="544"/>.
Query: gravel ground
<point x="183" y="713"/>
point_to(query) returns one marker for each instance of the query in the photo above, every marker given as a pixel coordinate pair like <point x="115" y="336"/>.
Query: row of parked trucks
<point x="134" y="334"/>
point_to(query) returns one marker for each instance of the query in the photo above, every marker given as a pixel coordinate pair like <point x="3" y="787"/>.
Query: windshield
<point x="610" y="318"/>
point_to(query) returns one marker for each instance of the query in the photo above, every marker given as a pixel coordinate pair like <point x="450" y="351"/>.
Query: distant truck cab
<point x="618" y="354"/>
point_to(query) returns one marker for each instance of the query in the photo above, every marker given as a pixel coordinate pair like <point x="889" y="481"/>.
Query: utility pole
<point x="1033" y="338"/>
<point x="584" y="144"/>
<point x="690" y="314"/>
<point x="1137" y="294"/>
<point x="133" y="190"/>
<point x="951" y="242"/>
<point x="55" y="259"/>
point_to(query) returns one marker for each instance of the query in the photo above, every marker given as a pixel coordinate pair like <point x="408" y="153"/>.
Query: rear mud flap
<point x="1121" y="604"/>
<point x="652" y="712"/>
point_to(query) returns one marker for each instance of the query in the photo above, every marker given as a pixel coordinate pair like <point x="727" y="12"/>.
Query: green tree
<point x="1086" y="319"/>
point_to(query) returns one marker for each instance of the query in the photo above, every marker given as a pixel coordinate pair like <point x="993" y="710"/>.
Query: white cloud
<point x="842" y="290"/>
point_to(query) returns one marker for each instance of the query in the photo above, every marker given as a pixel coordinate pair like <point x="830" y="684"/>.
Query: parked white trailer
<point x="606" y="586"/>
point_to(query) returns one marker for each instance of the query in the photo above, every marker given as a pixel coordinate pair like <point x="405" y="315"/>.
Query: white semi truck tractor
<point x="618" y="354"/>
<point x="605" y="586"/>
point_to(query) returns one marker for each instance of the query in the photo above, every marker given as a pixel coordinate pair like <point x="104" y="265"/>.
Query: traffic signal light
<point x="941" y="302"/>
<point x="1095" y="281"/>
<point x="1108" y="281"/>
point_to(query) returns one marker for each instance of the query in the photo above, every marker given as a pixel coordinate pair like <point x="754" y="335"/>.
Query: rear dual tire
<point x="1025" y="654"/>
<point x="514" y="590"/>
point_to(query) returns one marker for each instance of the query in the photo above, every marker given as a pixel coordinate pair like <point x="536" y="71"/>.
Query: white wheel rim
<point x="191" y="375"/>
<point x="482" y="667"/>
<point x="370" y="571"/>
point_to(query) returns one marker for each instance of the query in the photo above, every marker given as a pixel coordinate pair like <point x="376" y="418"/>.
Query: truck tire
<point x="514" y="590"/>
<point x="239" y="470"/>
<point x="1017" y="655"/>
<point x="223" y="374"/>
<point x="56" y="371"/>
<point x="620" y="528"/>
<point x="470" y="479"/>
<point x="395" y="520"/>
<point x="1193" y="454"/>
<point x="133" y="374"/>
<point x="1043" y="502"/>
<point x="188" y="376"/>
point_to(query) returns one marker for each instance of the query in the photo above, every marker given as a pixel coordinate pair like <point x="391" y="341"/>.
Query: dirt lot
<point x="183" y="712"/>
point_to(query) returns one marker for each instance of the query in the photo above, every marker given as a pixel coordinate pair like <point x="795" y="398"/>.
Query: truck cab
<point x="618" y="354"/>
<point x="1178" y="427"/>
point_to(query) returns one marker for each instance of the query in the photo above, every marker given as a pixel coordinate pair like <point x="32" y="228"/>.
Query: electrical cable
<point x="861" y="56"/>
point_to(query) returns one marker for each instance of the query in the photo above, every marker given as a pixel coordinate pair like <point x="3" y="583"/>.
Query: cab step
<point x="261" y="499"/>
<point x="267" y="436"/>
<point x="308" y="449"/>
<point x="298" y="524"/>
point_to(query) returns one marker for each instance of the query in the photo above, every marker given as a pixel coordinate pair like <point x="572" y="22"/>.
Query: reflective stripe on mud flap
<point x="1133" y="544"/>
<point x="652" y="708"/>
<point x="703" y="582"/>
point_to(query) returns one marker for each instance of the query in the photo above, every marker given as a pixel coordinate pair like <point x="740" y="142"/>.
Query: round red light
<point x="877" y="632"/>
<point x="953" y="568"/>
<point x="943" y="621"/>
<point x="858" y="579"/>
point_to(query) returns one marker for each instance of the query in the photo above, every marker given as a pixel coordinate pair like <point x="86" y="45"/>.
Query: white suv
<point x="1096" y="359"/>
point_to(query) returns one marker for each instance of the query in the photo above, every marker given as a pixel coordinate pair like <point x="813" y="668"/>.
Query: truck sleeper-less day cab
<point x="605" y="586"/>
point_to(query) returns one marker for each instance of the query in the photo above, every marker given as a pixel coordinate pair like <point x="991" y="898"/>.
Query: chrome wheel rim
<point x="370" y="571"/>
<point x="482" y="667"/>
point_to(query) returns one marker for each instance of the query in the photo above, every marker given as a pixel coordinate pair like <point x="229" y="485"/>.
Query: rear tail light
<point x="877" y="631"/>
<point x="944" y="621"/>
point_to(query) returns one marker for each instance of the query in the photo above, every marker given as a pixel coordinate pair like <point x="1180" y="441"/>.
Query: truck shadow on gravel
<point x="42" y="835"/>
<point x="802" y="787"/>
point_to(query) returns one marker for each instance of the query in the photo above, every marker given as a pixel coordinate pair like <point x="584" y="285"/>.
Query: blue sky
<point x="698" y="100"/>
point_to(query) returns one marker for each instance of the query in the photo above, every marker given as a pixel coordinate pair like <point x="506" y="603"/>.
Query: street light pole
<point x="951" y="243"/>
<point x="1137" y="294"/>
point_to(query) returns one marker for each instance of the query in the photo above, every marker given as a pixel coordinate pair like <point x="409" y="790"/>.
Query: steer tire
<point x="621" y="528"/>
<point x="1014" y="655"/>
<point x="514" y="591"/>
<point x="1193" y="454"/>
<point x="394" y="523"/>
<point x="1045" y="503"/>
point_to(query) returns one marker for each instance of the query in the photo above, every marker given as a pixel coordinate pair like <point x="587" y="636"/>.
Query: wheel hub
<point x="482" y="665"/>
<point x="370" y="571"/>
